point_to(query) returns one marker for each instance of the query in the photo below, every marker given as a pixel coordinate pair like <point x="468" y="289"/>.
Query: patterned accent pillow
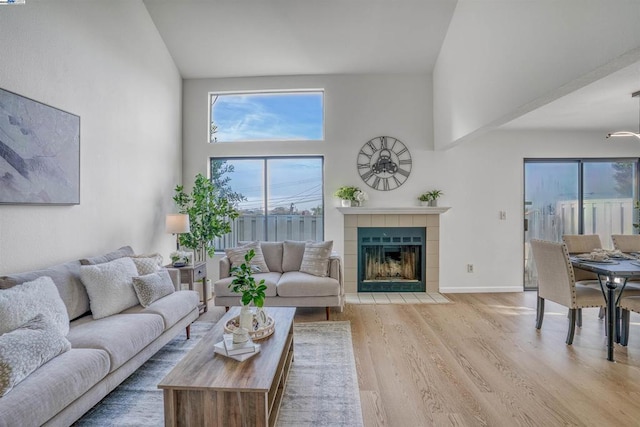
<point x="28" y="347"/>
<point x="152" y="287"/>
<point x="236" y="256"/>
<point x="110" y="286"/>
<point x="316" y="258"/>
<point x="23" y="302"/>
<point x="146" y="265"/>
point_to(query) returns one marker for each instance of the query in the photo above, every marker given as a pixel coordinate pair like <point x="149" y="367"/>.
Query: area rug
<point x="322" y="389"/>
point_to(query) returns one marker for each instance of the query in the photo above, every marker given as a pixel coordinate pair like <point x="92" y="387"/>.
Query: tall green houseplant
<point x="210" y="216"/>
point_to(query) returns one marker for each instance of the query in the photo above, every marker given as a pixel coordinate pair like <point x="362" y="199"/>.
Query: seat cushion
<point x="631" y="303"/>
<point x="53" y="386"/>
<point x="221" y="287"/>
<point x="172" y="308"/>
<point x="588" y="296"/>
<point x="122" y="336"/>
<point x="298" y="284"/>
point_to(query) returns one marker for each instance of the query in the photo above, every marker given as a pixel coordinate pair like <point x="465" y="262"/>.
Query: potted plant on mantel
<point x="351" y="196"/>
<point x="244" y="283"/>
<point x="430" y="198"/>
<point x="210" y="216"/>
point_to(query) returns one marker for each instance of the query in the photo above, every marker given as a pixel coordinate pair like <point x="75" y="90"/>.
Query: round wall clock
<point x="384" y="163"/>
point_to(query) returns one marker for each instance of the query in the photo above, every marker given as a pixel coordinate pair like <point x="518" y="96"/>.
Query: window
<point x="577" y="196"/>
<point x="266" y="116"/>
<point x="279" y="198"/>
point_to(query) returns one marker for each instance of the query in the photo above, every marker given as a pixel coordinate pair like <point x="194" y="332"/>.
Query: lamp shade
<point x="177" y="224"/>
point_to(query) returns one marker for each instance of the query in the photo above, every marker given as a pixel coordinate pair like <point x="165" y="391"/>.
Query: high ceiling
<point x="232" y="38"/>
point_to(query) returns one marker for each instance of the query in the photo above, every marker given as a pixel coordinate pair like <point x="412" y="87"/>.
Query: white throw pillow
<point x="316" y="258"/>
<point x="152" y="287"/>
<point x="28" y="347"/>
<point x="23" y="302"/>
<point x="236" y="256"/>
<point x="110" y="286"/>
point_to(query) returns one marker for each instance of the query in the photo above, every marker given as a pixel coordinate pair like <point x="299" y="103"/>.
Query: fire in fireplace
<point x="391" y="259"/>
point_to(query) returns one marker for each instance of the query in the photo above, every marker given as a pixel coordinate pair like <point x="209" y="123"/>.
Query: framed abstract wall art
<point x="39" y="152"/>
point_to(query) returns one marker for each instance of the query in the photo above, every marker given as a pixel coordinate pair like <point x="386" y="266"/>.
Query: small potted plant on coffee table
<point x="244" y="283"/>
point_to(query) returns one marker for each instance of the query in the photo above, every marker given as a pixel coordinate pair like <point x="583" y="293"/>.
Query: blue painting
<point x="39" y="152"/>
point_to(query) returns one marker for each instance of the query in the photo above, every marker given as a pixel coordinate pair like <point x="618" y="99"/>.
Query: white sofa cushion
<point x="292" y="254"/>
<point x="122" y="336"/>
<point x="110" y="286"/>
<point x="298" y="284"/>
<point x="23" y="302"/>
<point x="221" y="287"/>
<point x="25" y="349"/>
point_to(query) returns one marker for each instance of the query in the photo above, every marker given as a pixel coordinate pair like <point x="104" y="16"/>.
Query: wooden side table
<point x="192" y="273"/>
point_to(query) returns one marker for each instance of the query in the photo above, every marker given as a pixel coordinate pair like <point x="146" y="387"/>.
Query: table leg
<point x="611" y="318"/>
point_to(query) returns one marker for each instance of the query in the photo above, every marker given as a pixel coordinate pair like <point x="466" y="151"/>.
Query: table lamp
<point x="177" y="224"/>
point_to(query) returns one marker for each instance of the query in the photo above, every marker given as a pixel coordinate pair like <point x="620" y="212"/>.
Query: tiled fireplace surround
<point x="428" y="217"/>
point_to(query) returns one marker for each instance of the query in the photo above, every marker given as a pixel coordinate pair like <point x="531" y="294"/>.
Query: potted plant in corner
<point x="244" y="283"/>
<point x="210" y="216"/>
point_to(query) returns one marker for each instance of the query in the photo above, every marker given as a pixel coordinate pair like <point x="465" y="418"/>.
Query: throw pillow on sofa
<point x="28" y="347"/>
<point x="315" y="260"/>
<point x="110" y="286"/>
<point x="23" y="302"/>
<point x="152" y="287"/>
<point x="147" y="264"/>
<point x="236" y="256"/>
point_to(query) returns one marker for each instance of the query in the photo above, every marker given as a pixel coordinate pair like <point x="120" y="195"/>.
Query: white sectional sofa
<point x="287" y="286"/>
<point x="103" y="353"/>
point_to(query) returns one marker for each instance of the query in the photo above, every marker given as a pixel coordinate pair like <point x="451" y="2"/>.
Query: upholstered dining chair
<point x="556" y="282"/>
<point x="580" y="244"/>
<point x="626" y="242"/>
<point x="627" y="304"/>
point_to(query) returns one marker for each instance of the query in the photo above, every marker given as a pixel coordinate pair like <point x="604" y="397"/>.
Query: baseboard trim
<point x="477" y="290"/>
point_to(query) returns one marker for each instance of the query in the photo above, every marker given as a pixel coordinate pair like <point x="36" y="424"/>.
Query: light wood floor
<point x="480" y="361"/>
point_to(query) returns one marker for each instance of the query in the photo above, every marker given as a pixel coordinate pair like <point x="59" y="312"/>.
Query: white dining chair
<point x="556" y="282"/>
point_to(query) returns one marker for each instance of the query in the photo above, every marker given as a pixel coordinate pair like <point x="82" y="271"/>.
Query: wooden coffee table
<point x="207" y="389"/>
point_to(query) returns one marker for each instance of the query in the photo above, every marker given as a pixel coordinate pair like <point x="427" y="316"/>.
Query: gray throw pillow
<point x="316" y="258"/>
<point x="152" y="287"/>
<point x="23" y="302"/>
<point x="26" y="348"/>
<point x="110" y="286"/>
<point x="236" y="256"/>
<point x="147" y="265"/>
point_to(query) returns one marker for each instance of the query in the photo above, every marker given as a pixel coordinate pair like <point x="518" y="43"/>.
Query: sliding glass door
<point x="576" y="196"/>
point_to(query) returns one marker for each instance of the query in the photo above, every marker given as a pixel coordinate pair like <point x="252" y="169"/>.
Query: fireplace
<point x="391" y="259"/>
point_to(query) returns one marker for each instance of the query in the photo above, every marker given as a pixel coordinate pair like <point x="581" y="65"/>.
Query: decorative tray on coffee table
<point x="257" y="333"/>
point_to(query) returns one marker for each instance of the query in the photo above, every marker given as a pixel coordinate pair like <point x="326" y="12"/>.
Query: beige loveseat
<point x="287" y="286"/>
<point x="103" y="352"/>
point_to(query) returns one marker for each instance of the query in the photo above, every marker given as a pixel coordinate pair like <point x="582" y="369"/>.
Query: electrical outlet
<point x="503" y="215"/>
<point x="469" y="268"/>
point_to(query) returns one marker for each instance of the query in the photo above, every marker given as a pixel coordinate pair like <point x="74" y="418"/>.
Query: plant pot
<point x="347" y="203"/>
<point x="432" y="203"/>
<point x="424" y="203"/>
<point x="246" y="318"/>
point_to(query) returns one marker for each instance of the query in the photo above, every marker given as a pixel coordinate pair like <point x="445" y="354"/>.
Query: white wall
<point x="357" y="108"/>
<point x="486" y="176"/>
<point x="494" y="65"/>
<point x="479" y="179"/>
<point x="105" y="62"/>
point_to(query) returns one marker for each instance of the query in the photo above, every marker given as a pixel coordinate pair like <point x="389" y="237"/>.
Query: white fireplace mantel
<point x="409" y="210"/>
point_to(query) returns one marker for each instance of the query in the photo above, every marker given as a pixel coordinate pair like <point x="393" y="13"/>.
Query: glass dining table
<point x="613" y="276"/>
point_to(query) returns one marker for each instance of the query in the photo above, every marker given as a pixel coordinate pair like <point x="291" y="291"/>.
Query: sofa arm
<point x="225" y="266"/>
<point x="174" y="273"/>
<point x="335" y="270"/>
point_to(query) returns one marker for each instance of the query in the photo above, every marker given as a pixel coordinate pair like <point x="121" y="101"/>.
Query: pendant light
<point x="626" y="133"/>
